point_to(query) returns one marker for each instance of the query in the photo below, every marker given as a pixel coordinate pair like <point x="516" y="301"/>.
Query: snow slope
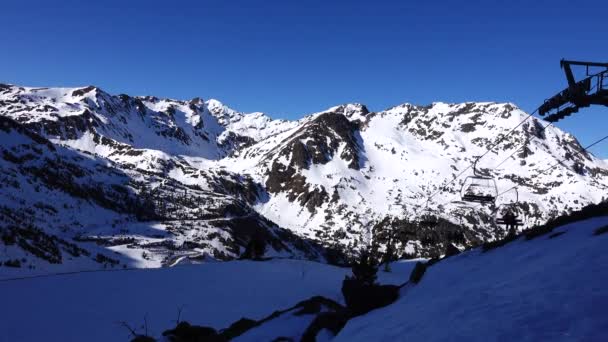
<point x="549" y="288"/>
<point x="339" y="174"/>
<point x="545" y="289"/>
<point x="64" y="210"/>
<point x="87" y="306"/>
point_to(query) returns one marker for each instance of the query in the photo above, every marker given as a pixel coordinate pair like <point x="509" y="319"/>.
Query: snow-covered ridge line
<point x="336" y="177"/>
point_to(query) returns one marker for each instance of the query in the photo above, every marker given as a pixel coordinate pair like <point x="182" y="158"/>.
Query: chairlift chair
<point x="479" y="188"/>
<point x="509" y="214"/>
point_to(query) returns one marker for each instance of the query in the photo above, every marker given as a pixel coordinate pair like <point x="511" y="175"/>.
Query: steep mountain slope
<point x="160" y="180"/>
<point x="62" y="209"/>
<point x="347" y="170"/>
<point x="121" y="126"/>
<point x="549" y="288"/>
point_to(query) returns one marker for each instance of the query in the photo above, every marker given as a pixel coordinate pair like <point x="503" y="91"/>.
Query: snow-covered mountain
<point x="159" y="181"/>
<point x="81" y="189"/>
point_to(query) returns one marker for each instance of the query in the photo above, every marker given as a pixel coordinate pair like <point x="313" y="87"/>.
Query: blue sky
<point x="289" y="58"/>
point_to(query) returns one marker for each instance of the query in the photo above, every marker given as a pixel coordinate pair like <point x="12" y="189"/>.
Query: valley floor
<point x="89" y="306"/>
<point x="552" y="287"/>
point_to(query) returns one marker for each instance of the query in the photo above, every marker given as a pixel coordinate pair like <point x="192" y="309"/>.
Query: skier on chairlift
<point x="510" y="222"/>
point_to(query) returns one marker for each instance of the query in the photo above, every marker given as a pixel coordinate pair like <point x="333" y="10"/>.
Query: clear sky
<point x="290" y="58"/>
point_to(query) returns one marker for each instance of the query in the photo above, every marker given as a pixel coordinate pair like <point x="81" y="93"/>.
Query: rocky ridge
<point x="157" y="181"/>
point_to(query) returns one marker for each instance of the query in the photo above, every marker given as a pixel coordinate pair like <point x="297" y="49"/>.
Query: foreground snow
<point x="546" y="289"/>
<point x="549" y="288"/>
<point x="87" y="306"/>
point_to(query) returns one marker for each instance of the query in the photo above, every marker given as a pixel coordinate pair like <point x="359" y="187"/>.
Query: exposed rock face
<point x="156" y="182"/>
<point x="352" y="178"/>
<point x="59" y="205"/>
<point x="327" y="136"/>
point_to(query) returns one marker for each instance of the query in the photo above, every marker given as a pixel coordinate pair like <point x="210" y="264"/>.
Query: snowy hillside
<point x="551" y="288"/>
<point x="149" y="182"/>
<point x="345" y="170"/>
<point x="64" y="210"/>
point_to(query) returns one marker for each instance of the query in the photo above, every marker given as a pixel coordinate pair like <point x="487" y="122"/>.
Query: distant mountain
<point x="162" y="181"/>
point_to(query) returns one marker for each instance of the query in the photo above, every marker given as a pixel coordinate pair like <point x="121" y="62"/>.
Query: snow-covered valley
<point x="550" y="287"/>
<point x="90" y="305"/>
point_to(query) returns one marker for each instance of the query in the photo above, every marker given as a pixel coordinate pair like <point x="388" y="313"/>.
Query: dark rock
<point x="418" y="272"/>
<point x="332" y="321"/>
<point x="238" y="328"/>
<point x="82" y="91"/>
<point x="600" y="231"/>
<point x="324" y="135"/>
<point x="361" y="298"/>
<point x="184" y="332"/>
<point x="451" y="250"/>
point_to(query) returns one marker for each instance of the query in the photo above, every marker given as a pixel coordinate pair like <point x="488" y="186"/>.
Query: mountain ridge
<point x="335" y="177"/>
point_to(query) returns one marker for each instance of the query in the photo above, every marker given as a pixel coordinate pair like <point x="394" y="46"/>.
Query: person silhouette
<point x="510" y="221"/>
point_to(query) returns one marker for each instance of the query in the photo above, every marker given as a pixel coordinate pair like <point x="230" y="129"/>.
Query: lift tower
<point x="592" y="90"/>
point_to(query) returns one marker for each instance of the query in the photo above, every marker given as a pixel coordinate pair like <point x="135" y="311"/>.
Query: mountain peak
<point x="92" y="90"/>
<point x="223" y="113"/>
<point x="353" y="111"/>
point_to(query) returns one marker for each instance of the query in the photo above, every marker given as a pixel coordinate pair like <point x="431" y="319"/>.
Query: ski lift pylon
<point x="592" y="90"/>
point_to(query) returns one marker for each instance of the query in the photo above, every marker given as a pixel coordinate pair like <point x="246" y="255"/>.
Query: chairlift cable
<point x="519" y="148"/>
<point x="509" y="189"/>
<point x="595" y="143"/>
<point x="500" y="140"/>
<point x="566" y="66"/>
<point x="509" y="133"/>
<point x="488" y="150"/>
<point x="584" y="149"/>
<point x="541" y="130"/>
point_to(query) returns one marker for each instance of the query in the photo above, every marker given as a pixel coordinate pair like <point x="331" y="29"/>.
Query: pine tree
<point x="389" y="255"/>
<point x="255" y="249"/>
<point x="365" y="269"/>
